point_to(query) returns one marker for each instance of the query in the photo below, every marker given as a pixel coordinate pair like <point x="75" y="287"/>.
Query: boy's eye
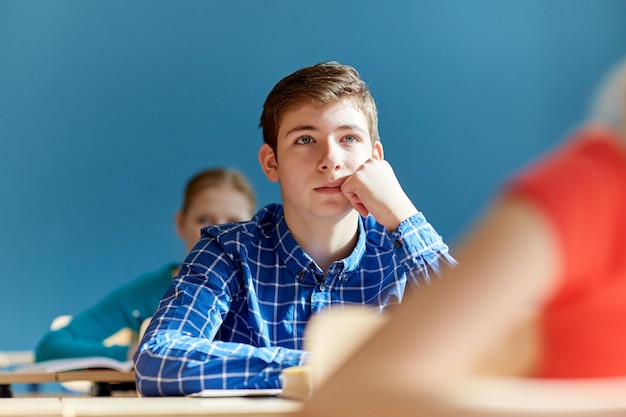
<point x="350" y="139"/>
<point x="304" y="140"/>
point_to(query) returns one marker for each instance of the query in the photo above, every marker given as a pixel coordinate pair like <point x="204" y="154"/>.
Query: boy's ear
<point x="178" y="220"/>
<point x="377" y="151"/>
<point x="267" y="158"/>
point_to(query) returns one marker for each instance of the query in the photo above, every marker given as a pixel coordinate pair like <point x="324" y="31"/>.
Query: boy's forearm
<point x="400" y="212"/>
<point x="210" y="365"/>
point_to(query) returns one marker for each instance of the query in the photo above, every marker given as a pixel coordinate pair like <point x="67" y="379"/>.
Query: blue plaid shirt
<point x="234" y="316"/>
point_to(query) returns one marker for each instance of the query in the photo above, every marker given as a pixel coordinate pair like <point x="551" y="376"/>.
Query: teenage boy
<point x="346" y="233"/>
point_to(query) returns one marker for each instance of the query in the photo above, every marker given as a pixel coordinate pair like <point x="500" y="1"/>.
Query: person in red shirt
<point x="539" y="291"/>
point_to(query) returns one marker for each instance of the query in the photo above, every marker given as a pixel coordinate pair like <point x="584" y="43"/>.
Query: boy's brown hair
<point x="319" y="84"/>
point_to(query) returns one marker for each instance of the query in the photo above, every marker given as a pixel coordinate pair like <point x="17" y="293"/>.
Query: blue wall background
<point x="107" y="107"/>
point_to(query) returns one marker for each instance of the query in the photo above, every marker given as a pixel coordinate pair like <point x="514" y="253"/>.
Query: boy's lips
<point x="330" y="187"/>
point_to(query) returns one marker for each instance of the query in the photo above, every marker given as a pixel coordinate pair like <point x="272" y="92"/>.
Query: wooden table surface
<point x="103" y="379"/>
<point x="39" y="407"/>
<point x="148" y="407"/>
<point x="180" y="406"/>
<point x="95" y="375"/>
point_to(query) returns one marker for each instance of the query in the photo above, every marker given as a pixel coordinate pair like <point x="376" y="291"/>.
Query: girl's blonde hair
<point x="216" y="177"/>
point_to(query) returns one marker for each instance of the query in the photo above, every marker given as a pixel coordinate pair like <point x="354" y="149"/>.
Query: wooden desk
<point x="179" y="407"/>
<point x="95" y="375"/>
<point x="8" y="378"/>
<point x="103" y="379"/>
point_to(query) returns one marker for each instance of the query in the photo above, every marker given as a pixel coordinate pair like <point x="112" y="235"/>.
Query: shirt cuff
<point x="418" y="245"/>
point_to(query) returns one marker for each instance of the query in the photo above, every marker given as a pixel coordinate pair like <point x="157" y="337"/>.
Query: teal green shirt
<point x="121" y="312"/>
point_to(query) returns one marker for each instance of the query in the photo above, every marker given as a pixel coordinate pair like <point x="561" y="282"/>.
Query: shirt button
<point x="301" y="276"/>
<point x="343" y="278"/>
<point x="397" y="243"/>
<point x="322" y="287"/>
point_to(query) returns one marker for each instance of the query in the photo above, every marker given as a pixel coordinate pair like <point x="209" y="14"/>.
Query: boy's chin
<point x="337" y="211"/>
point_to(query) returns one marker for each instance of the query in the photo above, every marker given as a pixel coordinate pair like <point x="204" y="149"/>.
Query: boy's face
<point x="317" y="149"/>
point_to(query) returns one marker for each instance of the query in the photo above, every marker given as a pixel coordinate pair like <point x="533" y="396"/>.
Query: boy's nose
<point x="330" y="158"/>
